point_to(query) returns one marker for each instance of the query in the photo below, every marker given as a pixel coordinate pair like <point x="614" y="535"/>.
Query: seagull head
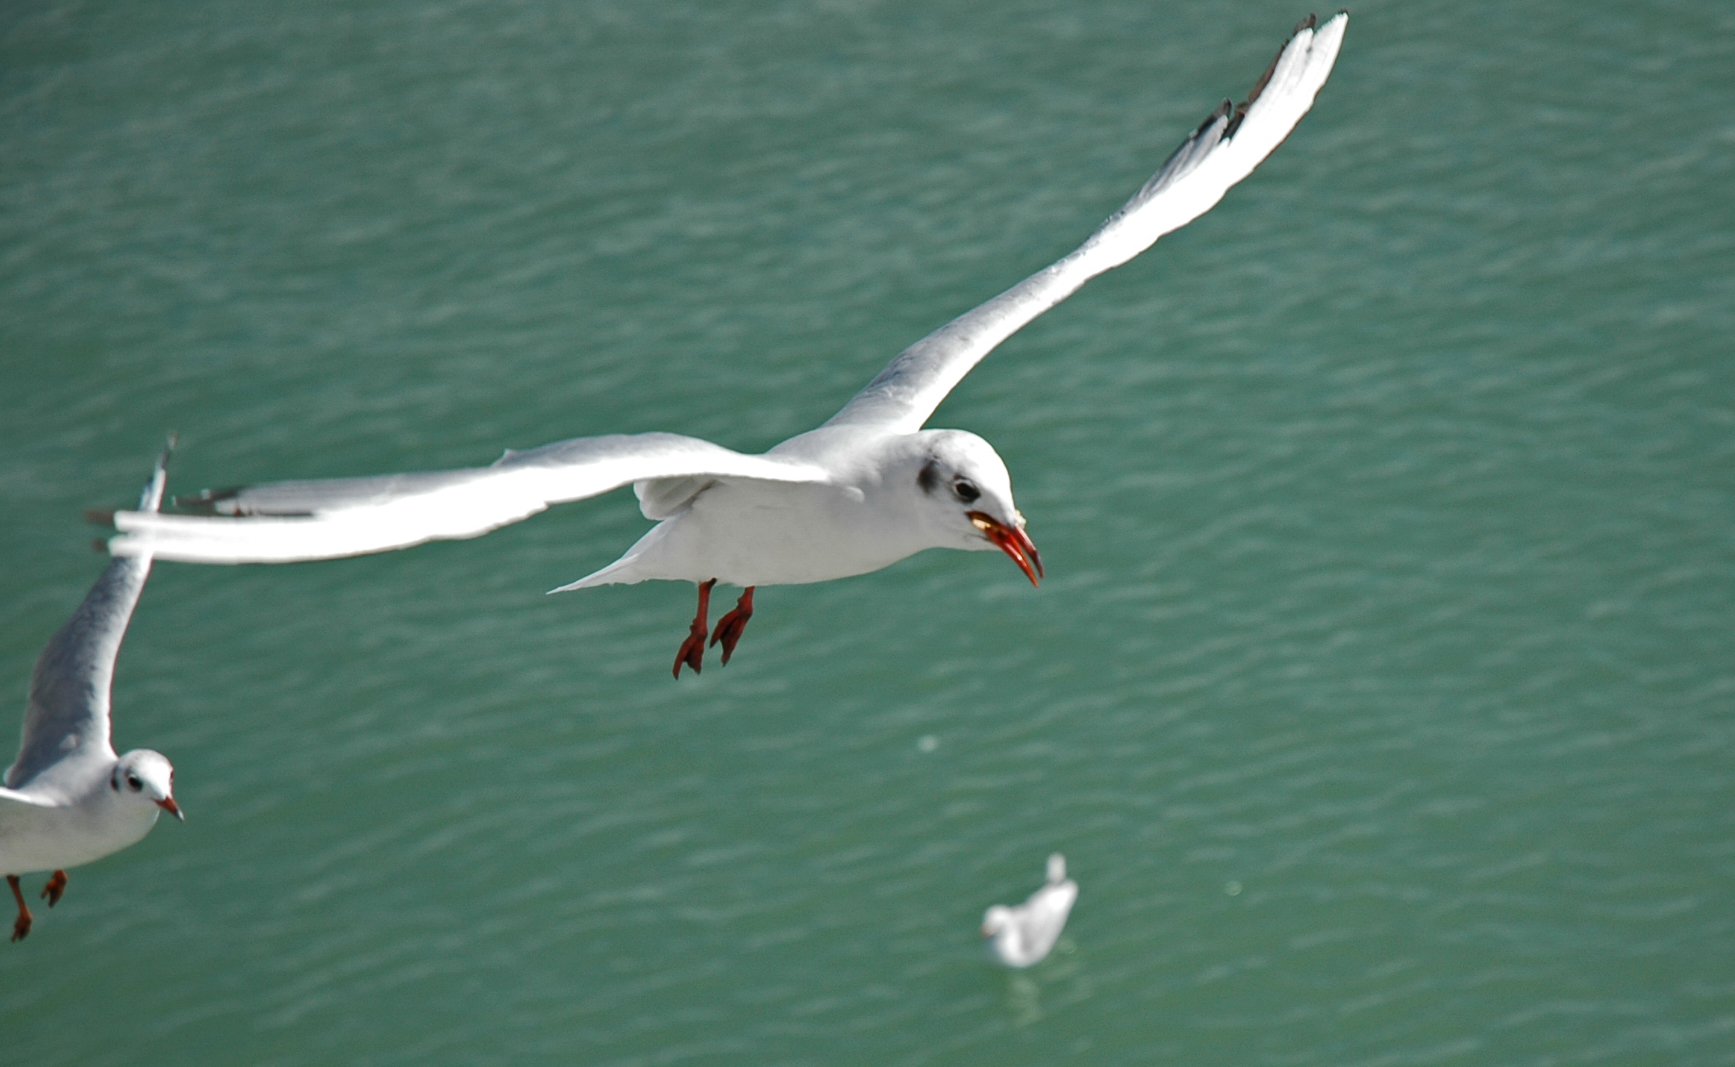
<point x="968" y="494"/>
<point x="148" y="776"/>
<point x="997" y="918"/>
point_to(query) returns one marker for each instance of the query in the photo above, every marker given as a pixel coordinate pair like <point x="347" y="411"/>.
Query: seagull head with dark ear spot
<point x="967" y="494"/>
<point x="148" y="776"/>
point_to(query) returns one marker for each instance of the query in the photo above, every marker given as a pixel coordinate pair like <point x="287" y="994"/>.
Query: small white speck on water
<point x="1233" y="889"/>
<point x="928" y="743"/>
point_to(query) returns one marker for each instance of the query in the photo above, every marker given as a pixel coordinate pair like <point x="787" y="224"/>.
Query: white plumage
<point x="68" y="798"/>
<point x="1023" y="935"/>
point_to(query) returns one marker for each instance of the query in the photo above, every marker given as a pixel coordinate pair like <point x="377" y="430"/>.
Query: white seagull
<point x="1025" y="934"/>
<point x="861" y="492"/>
<point x="68" y="799"/>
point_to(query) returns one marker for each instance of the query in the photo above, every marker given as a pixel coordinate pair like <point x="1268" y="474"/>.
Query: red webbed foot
<point x="21" y="928"/>
<point x="692" y="651"/>
<point x="731" y="626"/>
<point x="56" y="886"/>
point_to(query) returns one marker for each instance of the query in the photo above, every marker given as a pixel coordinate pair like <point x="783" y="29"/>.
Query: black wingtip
<point x="1216" y="113"/>
<point x="1307" y="23"/>
<point x="99" y="516"/>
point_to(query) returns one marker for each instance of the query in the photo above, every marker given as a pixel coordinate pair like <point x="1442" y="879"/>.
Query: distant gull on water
<point x="68" y="799"/>
<point x="861" y="492"/>
<point x="1024" y="935"/>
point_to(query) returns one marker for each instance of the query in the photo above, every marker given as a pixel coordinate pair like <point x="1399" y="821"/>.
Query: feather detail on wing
<point x="69" y="689"/>
<point x="1225" y="148"/>
<point x="286" y="522"/>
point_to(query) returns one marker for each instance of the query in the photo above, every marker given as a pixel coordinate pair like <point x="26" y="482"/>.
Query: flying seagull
<point x="861" y="492"/>
<point x="68" y="799"/>
<point x="1024" y="935"/>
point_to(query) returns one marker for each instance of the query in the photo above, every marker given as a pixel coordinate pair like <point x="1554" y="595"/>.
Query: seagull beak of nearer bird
<point x="1011" y="540"/>
<point x="168" y="804"/>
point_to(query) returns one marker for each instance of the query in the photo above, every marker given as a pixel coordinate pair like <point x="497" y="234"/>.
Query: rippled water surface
<point x="1379" y="695"/>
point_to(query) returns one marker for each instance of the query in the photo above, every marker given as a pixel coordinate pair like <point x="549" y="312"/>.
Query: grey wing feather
<point x="69" y="689"/>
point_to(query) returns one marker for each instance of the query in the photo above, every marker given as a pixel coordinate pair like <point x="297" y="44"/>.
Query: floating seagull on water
<point x="1023" y="935"/>
<point x="68" y="799"/>
<point x="861" y="492"/>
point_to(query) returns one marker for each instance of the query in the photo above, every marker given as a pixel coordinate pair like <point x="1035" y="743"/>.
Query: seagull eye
<point x="133" y="783"/>
<point x="967" y="491"/>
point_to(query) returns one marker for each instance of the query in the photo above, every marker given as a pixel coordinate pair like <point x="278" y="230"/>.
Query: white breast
<point x="35" y="837"/>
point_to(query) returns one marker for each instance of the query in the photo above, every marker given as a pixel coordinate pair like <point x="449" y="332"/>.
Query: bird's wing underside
<point x="1222" y="151"/>
<point x="285" y="522"/>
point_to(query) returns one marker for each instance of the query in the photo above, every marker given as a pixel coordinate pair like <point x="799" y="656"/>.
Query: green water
<point x="1379" y="695"/>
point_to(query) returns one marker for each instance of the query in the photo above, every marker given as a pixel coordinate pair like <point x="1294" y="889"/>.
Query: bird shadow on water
<point x="1059" y="980"/>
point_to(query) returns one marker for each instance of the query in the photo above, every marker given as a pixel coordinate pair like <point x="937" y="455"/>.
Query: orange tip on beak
<point x="1011" y="540"/>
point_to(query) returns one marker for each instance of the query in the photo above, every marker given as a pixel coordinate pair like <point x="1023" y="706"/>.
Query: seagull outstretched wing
<point x="1223" y="150"/>
<point x="285" y="522"/>
<point x="69" y="689"/>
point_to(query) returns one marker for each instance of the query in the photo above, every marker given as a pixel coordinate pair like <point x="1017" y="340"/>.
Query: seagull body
<point x="866" y="489"/>
<point x="750" y="533"/>
<point x="68" y="799"/>
<point x="1024" y="935"/>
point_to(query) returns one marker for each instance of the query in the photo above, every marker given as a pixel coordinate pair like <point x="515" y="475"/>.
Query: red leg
<point x="731" y="626"/>
<point x="692" y="651"/>
<point x="56" y="886"/>
<point x="22" y="926"/>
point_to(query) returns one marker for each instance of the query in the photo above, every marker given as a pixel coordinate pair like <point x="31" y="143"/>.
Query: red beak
<point x="168" y="804"/>
<point x="1011" y="540"/>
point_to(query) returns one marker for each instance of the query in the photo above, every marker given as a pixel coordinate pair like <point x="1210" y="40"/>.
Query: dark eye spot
<point x="967" y="491"/>
<point x="133" y="783"/>
<point x="929" y="478"/>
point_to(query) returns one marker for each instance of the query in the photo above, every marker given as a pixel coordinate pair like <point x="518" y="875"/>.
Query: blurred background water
<point x="1379" y="694"/>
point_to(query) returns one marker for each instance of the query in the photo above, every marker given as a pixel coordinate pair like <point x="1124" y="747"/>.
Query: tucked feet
<point x="730" y="626"/>
<point x="692" y="651"/>
<point x="56" y="886"/>
<point x="21" y="928"/>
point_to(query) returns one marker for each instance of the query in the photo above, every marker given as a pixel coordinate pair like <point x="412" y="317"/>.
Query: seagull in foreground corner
<point x="861" y="492"/>
<point x="1023" y="935"/>
<point x="68" y="799"/>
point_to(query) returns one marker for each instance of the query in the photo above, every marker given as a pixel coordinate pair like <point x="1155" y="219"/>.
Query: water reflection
<point x="1060" y="978"/>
